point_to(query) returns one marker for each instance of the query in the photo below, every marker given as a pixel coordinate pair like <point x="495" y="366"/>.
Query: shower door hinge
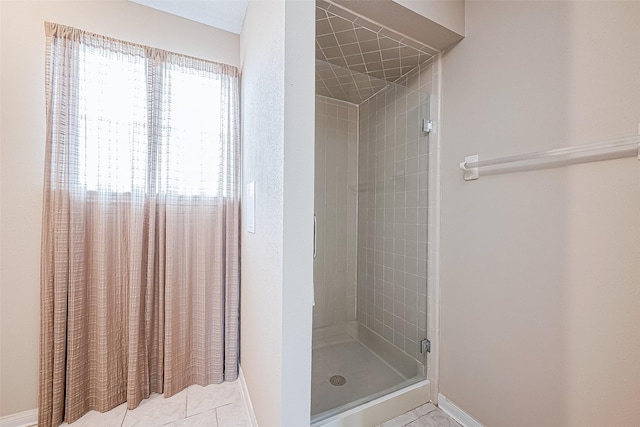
<point x="425" y="346"/>
<point x="427" y="125"/>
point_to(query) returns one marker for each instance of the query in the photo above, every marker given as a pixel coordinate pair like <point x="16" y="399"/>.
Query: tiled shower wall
<point x="336" y="166"/>
<point x="392" y="212"/>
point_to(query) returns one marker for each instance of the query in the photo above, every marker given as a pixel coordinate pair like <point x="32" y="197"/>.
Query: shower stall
<point x="371" y="205"/>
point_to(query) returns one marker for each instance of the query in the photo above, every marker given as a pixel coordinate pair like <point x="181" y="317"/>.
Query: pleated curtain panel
<point x="140" y="242"/>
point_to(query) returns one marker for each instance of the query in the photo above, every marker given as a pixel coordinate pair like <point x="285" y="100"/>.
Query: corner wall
<point x="539" y="277"/>
<point x="23" y="142"/>
<point x="262" y="87"/>
<point x="336" y="199"/>
<point x="277" y="260"/>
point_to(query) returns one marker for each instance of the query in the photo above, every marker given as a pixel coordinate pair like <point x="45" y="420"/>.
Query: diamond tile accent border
<point x="350" y="41"/>
<point x="341" y="83"/>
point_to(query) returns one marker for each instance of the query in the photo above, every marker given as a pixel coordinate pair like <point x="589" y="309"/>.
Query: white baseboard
<point x="247" y="399"/>
<point x="457" y="413"/>
<point x="21" y="419"/>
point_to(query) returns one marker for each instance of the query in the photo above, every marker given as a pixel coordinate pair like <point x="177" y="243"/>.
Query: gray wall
<point x="540" y="319"/>
<point x="336" y="197"/>
<point x="392" y="215"/>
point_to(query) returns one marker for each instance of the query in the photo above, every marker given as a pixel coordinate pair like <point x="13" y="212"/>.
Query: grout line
<point x="186" y="402"/>
<point x="403" y="36"/>
<point x="126" y="411"/>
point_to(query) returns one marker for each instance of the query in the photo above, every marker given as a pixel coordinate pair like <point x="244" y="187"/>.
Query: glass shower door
<point x="370" y="273"/>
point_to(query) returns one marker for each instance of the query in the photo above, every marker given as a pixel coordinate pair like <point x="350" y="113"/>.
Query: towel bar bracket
<point x="470" y="174"/>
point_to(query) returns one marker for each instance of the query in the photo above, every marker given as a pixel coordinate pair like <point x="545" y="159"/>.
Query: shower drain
<point x="337" y="380"/>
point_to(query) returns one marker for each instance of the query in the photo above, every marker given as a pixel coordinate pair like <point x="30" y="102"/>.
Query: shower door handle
<point x="315" y="238"/>
<point x="315" y="252"/>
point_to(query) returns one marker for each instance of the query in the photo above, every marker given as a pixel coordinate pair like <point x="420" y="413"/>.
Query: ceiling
<point x="334" y="81"/>
<point x="355" y="58"/>
<point x="361" y="55"/>
<point x="350" y="41"/>
<point x="227" y="15"/>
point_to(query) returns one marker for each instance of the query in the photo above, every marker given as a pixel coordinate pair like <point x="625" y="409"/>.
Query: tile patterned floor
<point x="424" y="416"/>
<point x="217" y="405"/>
<point x="222" y="405"/>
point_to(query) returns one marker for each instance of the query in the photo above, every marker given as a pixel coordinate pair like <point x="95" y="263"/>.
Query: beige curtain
<point x="140" y="246"/>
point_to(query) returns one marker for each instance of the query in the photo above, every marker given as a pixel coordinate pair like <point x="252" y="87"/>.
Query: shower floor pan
<point x="352" y="366"/>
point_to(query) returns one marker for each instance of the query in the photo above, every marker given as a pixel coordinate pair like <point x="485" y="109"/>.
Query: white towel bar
<point x="629" y="146"/>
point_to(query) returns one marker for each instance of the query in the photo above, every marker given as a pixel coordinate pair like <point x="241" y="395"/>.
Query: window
<point x="112" y="122"/>
<point x="153" y="126"/>
<point x="191" y="134"/>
